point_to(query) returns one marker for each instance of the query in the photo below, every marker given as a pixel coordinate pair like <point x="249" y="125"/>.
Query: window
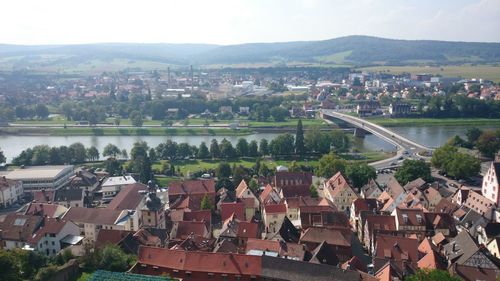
<point x="53" y="243"/>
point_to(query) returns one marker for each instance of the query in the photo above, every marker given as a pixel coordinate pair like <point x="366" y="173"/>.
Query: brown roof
<point x="44" y="209"/>
<point x="266" y="193"/>
<point x="110" y="236"/>
<point x="337" y="184"/>
<point x="296" y="190"/>
<point x="397" y="248"/>
<point x="219" y="263"/>
<point x="236" y="208"/>
<point x="478" y="202"/>
<point x="282" y="179"/>
<point x="202" y="215"/>
<point x="473" y="273"/>
<point x="414" y="184"/>
<point x="284" y="249"/>
<point x="446" y="206"/>
<point x="241" y="188"/>
<point x="43" y="196"/>
<point x="380" y="222"/>
<point x="92" y="215"/>
<point x="187" y="228"/>
<point x="394" y="188"/>
<point x="275" y="208"/>
<point x="18" y="227"/>
<point x="332" y="236"/>
<point x="364" y="204"/>
<point x="410" y="217"/>
<point x="248" y="229"/>
<point x="191" y="187"/>
<point x="128" y="198"/>
<point x="440" y="221"/>
<point x="48" y="226"/>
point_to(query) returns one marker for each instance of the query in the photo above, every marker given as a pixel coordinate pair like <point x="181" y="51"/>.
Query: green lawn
<point x="287" y="123"/>
<point x="466" y="71"/>
<point x="396" y="122"/>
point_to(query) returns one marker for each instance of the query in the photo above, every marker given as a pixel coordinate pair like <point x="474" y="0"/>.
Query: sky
<point x="225" y="22"/>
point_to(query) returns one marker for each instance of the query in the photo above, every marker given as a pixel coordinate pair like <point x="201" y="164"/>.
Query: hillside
<point x="350" y="50"/>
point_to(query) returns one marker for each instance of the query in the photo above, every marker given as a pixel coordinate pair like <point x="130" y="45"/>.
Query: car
<point x="461" y="181"/>
<point x="453" y="185"/>
<point x="406" y="152"/>
<point x="394" y="164"/>
<point x="400" y="158"/>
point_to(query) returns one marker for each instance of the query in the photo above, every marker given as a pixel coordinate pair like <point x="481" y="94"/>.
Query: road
<point x="406" y="148"/>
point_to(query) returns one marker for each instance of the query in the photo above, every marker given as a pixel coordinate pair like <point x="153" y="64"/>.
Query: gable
<point x="479" y="259"/>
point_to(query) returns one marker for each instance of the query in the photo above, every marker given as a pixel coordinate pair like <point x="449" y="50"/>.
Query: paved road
<point x="406" y="148"/>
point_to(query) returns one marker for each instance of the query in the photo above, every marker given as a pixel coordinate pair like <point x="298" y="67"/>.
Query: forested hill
<point x="350" y="50"/>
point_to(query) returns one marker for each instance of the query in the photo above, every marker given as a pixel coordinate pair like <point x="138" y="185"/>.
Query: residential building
<point x="402" y="252"/>
<point x="91" y="220"/>
<point x="338" y="240"/>
<point x="11" y="192"/>
<point x="17" y="229"/>
<point x="491" y="183"/>
<point x="399" y="109"/>
<point x="371" y="189"/>
<point x="251" y="202"/>
<point x="50" y="237"/>
<point x="112" y="185"/>
<point x="273" y="216"/>
<point x="47" y="178"/>
<point x="368" y="108"/>
<point x="340" y="192"/>
<point x="195" y="190"/>
<point x="70" y="197"/>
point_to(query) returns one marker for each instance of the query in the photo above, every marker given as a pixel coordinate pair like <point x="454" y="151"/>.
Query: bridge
<point x="405" y="147"/>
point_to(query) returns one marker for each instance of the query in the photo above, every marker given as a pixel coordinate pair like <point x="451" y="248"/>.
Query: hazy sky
<point x="234" y="21"/>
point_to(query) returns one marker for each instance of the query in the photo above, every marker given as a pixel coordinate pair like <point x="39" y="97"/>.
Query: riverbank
<point x="400" y="122"/>
<point x="116" y="131"/>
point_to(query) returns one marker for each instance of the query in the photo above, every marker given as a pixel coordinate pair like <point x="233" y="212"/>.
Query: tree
<point x="463" y="166"/>
<point x="2" y="157"/>
<point x="443" y="155"/>
<point x="263" y="147"/>
<point x="264" y="170"/>
<point x="77" y="152"/>
<point x="113" y="166"/>
<point x="360" y="174"/>
<point x="282" y="145"/>
<point x="279" y="113"/>
<point x="242" y="147"/>
<point x="42" y="111"/>
<point x="329" y="164"/>
<point x="41" y="155"/>
<point x="114" y="259"/>
<point x="152" y="155"/>
<point x="136" y="118"/>
<point x="46" y="273"/>
<point x="253" y="185"/>
<point x="318" y="141"/>
<point x="117" y="121"/>
<point x="223" y="170"/>
<point x="239" y="174"/>
<point x="9" y="269"/>
<point x="340" y="141"/>
<point x="226" y="149"/>
<point x="203" y="152"/>
<point x="124" y="153"/>
<point x="473" y="135"/>
<point x="214" y="149"/>
<point x="205" y="203"/>
<point x="110" y="150"/>
<point x="432" y="275"/>
<point x="92" y="153"/>
<point x="299" y="139"/>
<point x="253" y="149"/>
<point x="488" y="143"/>
<point x="314" y="191"/>
<point x="412" y="170"/>
<point x="140" y="162"/>
<point x="457" y="141"/>
<point x="183" y="151"/>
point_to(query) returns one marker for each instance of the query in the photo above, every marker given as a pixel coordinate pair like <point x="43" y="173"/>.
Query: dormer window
<point x="405" y="218"/>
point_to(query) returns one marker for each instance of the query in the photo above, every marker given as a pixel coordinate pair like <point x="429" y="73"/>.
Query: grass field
<point x="189" y="166"/>
<point x="466" y="71"/>
<point x="396" y="122"/>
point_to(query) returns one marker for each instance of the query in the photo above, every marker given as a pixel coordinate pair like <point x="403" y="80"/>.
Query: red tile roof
<point x="290" y="250"/>
<point x="275" y="208"/>
<point x="43" y="196"/>
<point x="248" y="229"/>
<point x="110" y="236"/>
<point x="282" y="179"/>
<point x="191" y="187"/>
<point x="42" y="209"/>
<point x="202" y="215"/>
<point x="187" y="228"/>
<point x="241" y="188"/>
<point x="236" y="208"/>
<point x="128" y="198"/>
<point x="337" y="184"/>
<point x="18" y="227"/>
<point x="397" y="248"/>
<point x="220" y="263"/>
<point x="48" y="226"/>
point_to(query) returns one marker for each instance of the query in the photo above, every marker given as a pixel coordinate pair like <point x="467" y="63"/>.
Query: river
<point x="432" y="136"/>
